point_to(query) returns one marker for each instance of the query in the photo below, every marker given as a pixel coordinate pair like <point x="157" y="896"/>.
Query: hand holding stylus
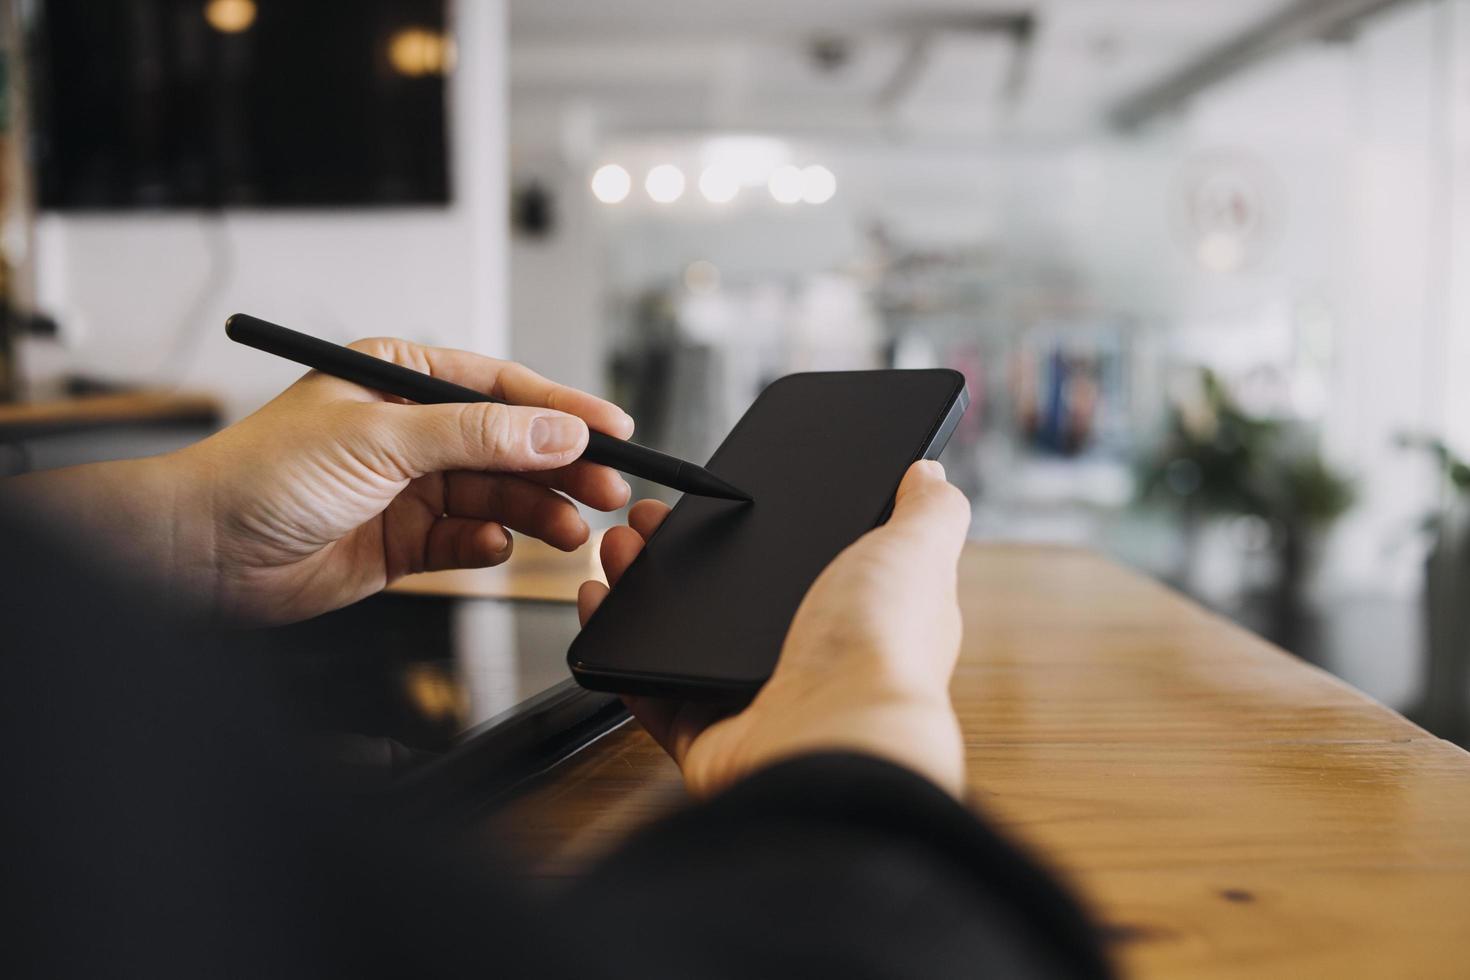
<point x="410" y="384"/>
<point x="866" y="664"/>
<point x="331" y="491"/>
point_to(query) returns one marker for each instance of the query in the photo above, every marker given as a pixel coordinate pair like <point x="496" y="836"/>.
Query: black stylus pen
<point x="395" y="379"/>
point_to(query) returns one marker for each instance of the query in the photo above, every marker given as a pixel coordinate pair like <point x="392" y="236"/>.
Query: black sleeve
<point x="161" y="819"/>
<point x="832" y="865"/>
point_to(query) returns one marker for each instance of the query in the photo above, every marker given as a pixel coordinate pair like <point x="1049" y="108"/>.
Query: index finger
<point x="502" y="380"/>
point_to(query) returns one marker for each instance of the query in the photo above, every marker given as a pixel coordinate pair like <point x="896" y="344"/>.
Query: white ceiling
<point x="626" y="68"/>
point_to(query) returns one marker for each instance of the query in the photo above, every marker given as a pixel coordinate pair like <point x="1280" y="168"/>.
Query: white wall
<point x="144" y="297"/>
<point x="557" y="307"/>
<point x="1455" y="261"/>
<point x="1355" y="135"/>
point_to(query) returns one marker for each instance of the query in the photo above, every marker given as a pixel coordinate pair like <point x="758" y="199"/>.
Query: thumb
<point x="929" y="511"/>
<point x="483" y="436"/>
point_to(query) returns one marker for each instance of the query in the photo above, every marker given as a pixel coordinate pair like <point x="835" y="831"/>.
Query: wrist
<point x="184" y="482"/>
<point x="150" y="517"/>
<point x="919" y="734"/>
<point x="859" y="715"/>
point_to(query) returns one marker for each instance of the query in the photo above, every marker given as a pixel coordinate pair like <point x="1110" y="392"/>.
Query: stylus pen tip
<point x="706" y="484"/>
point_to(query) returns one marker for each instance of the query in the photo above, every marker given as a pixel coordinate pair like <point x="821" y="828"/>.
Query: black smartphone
<point x="703" y="611"/>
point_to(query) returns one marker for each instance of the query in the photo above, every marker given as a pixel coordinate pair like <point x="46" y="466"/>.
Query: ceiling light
<point x="718" y="185"/>
<point x="817" y="184"/>
<point x="664" y="183"/>
<point x="786" y="184"/>
<point x="416" y="52"/>
<point x="230" y="16"/>
<point x="611" y="183"/>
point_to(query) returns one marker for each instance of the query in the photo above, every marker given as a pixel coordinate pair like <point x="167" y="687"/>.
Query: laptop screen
<point x="399" y="679"/>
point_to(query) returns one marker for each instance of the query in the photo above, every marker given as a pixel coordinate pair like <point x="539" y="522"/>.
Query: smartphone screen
<point x="705" y="607"/>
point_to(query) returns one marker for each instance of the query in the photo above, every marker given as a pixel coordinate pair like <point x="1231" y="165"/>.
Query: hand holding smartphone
<point x="704" y="609"/>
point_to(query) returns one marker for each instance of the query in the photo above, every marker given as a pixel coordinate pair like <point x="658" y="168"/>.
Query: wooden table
<point x="1226" y="809"/>
<point x="29" y="420"/>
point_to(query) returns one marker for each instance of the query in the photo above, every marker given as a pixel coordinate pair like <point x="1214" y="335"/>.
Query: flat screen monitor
<point x="202" y="104"/>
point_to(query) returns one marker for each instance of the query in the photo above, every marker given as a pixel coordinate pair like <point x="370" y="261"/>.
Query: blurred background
<point x="1203" y="262"/>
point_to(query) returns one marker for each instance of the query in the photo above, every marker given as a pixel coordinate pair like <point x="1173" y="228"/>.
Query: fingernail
<point x="630" y="421"/>
<point x="552" y="434"/>
<point x="935" y="468"/>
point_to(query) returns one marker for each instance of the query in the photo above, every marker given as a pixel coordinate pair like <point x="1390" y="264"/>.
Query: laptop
<point x="444" y="701"/>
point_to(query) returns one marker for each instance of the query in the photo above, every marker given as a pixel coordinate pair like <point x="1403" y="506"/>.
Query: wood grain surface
<point x="30" y="419"/>
<point x="1226" y="809"/>
<point x="535" y="571"/>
